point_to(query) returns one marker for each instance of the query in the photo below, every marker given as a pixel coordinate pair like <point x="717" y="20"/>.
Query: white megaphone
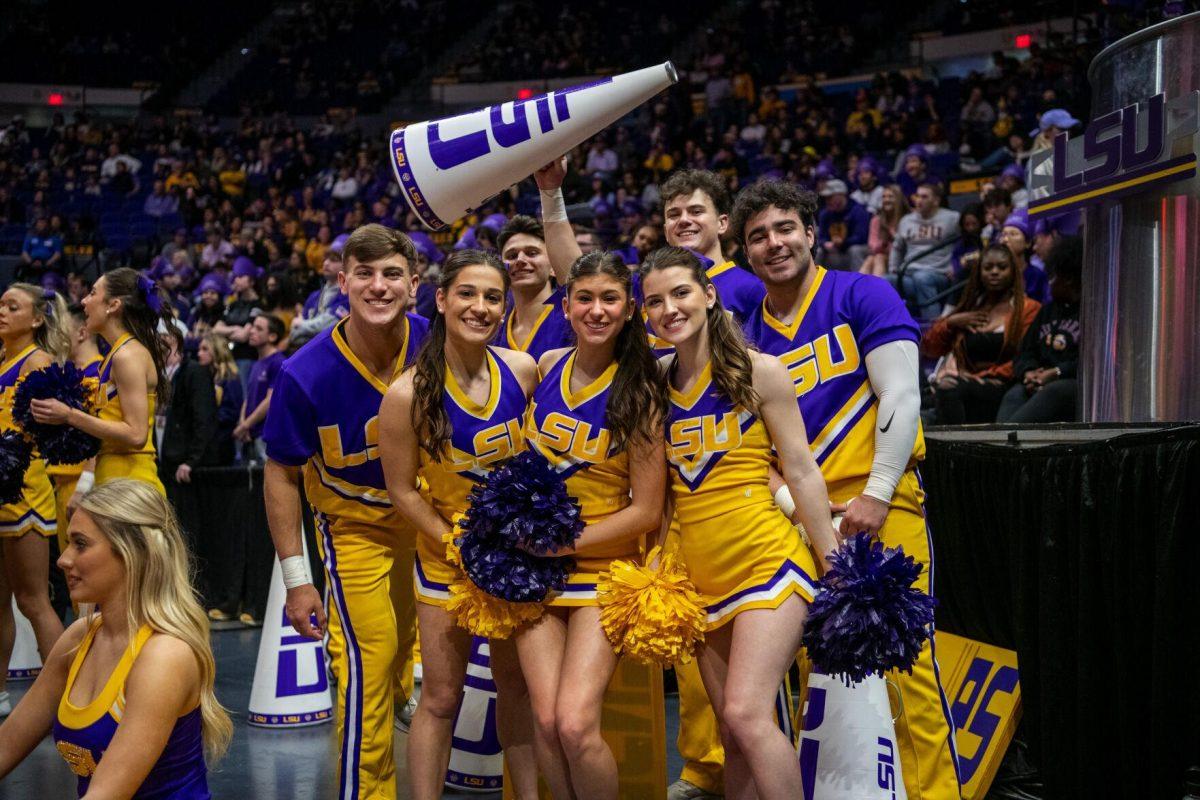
<point x="847" y="745"/>
<point x="476" y="759"/>
<point x="291" y="684"/>
<point x="25" y="663"/>
<point x="449" y="167"/>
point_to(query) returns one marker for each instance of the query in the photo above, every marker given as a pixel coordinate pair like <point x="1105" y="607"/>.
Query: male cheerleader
<point x="533" y="322"/>
<point x="851" y="348"/>
<point x="323" y="425"/>
<point x="696" y="209"/>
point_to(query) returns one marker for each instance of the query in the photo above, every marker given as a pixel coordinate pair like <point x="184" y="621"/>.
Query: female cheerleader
<point x="124" y="308"/>
<point x="729" y="407"/>
<point x="127" y="694"/>
<point x="33" y="333"/>
<point x="448" y="421"/>
<point x="597" y="417"/>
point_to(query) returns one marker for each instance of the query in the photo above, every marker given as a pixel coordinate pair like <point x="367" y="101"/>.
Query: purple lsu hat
<point x="1014" y="170"/>
<point x="1019" y="219"/>
<point x="212" y="283"/>
<point x="426" y="247"/>
<point x="495" y="221"/>
<point x="1064" y="224"/>
<point x="338" y="244"/>
<point x="917" y="150"/>
<point x="242" y="265"/>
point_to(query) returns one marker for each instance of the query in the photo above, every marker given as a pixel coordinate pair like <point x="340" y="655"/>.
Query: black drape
<point x="1082" y="558"/>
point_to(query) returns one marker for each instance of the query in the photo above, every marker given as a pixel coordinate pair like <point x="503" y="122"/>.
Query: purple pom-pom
<point x="867" y="617"/>
<point x="15" y="452"/>
<point x="522" y="506"/>
<point x="57" y="444"/>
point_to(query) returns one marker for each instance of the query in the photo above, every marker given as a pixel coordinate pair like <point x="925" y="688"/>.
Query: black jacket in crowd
<point x="191" y="418"/>
<point x="1051" y="341"/>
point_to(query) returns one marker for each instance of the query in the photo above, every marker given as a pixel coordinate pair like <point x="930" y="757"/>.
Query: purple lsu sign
<point x="1120" y="153"/>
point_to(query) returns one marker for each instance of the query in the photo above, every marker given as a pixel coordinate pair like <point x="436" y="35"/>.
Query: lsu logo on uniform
<point x="816" y="362"/>
<point x="335" y="456"/>
<point x="491" y="444"/>
<point x="697" y="436"/>
<point x="573" y="438"/>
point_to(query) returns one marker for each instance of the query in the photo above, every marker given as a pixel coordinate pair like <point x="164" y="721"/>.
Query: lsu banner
<point x="449" y="167"/>
<point x="1120" y="153"/>
<point x="981" y="682"/>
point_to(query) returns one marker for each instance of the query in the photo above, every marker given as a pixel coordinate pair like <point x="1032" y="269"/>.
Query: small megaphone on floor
<point x="291" y="684"/>
<point x="476" y="760"/>
<point x="25" y="663"/>
<point x="449" y="167"/>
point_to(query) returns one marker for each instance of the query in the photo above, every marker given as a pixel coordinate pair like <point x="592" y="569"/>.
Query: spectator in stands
<point x="842" y="228"/>
<point x="123" y="184"/>
<point x="41" y="251"/>
<point x="209" y="309"/>
<point x="178" y="244"/>
<point x="883" y="230"/>
<point x="869" y="193"/>
<point x="646" y="239"/>
<point x="116" y="159"/>
<point x="970" y="225"/>
<point x="586" y="239"/>
<point x="601" y="160"/>
<point x="976" y="118"/>
<point x="159" y="204"/>
<point x="326" y="305"/>
<point x="915" y="171"/>
<point x="280" y="298"/>
<point x="217" y="252"/>
<point x="314" y="253"/>
<point x="236" y="323"/>
<point x="997" y="207"/>
<point x="266" y="334"/>
<point x="214" y="354"/>
<point x="979" y="339"/>
<point x="188" y="420"/>
<point x="1050" y="125"/>
<point x="1017" y="236"/>
<point x="181" y="179"/>
<point x="919" y="264"/>
<point x="1012" y="180"/>
<point x="1045" y="370"/>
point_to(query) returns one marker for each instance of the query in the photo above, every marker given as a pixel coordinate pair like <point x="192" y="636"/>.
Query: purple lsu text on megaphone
<point x="449" y="167"/>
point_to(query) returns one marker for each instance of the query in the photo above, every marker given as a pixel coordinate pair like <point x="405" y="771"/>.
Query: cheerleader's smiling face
<point x="473" y="304"/>
<point x="676" y="304"/>
<point x="16" y="315"/>
<point x="597" y="308"/>
<point x="93" y="570"/>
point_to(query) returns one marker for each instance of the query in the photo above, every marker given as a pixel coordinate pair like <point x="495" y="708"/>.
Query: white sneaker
<point x="686" y="790"/>
<point x="404" y="715"/>
<point x="5" y="705"/>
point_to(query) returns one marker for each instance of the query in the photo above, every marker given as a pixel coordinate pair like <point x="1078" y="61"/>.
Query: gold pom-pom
<point x="653" y="615"/>
<point x="485" y="615"/>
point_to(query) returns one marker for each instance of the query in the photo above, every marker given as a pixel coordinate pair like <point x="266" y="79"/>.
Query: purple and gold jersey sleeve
<point x="879" y="315"/>
<point x="290" y="432"/>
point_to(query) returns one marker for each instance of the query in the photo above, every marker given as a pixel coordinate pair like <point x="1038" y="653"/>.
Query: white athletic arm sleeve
<point x="892" y="370"/>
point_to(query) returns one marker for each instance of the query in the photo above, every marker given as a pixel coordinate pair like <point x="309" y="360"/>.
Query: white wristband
<point x="295" y="571"/>
<point x="783" y="499"/>
<point x="85" y="483"/>
<point x="554" y="207"/>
